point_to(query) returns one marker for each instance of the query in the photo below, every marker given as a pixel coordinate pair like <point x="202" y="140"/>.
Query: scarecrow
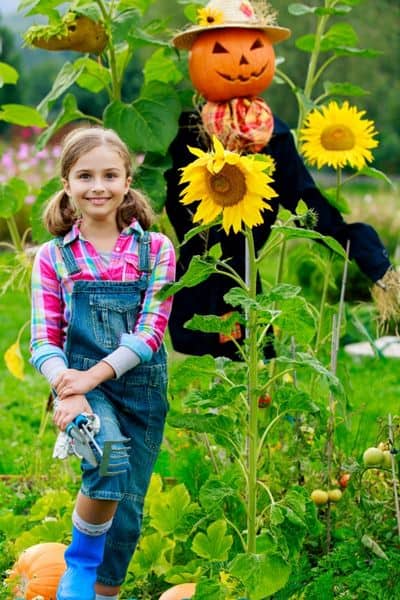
<point x="231" y="62"/>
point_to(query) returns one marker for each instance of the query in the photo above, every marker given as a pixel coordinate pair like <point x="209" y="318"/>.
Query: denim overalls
<point x="132" y="407"/>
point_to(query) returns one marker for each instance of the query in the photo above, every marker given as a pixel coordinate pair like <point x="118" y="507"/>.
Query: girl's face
<point x="97" y="184"/>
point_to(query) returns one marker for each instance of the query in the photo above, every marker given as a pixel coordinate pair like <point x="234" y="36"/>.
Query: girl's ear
<point x="128" y="184"/>
<point x="66" y="186"/>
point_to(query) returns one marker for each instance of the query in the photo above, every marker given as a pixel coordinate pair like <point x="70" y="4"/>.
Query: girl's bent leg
<point x="91" y="521"/>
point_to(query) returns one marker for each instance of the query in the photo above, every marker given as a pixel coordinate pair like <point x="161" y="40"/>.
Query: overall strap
<point x="144" y="253"/>
<point x="68" y="257"/>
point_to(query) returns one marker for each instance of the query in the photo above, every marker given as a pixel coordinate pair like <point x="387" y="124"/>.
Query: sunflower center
<point x="337" y="137"/>
<point x="228" y="187"/>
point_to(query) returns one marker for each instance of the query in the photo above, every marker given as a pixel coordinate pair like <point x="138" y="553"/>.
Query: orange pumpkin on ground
<point x="182" y="591"/>
<point x="38" y="571"/>
<point x="231" y="63"/>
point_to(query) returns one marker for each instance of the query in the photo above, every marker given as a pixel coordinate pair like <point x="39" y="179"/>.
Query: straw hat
<point x="218" y="14"/>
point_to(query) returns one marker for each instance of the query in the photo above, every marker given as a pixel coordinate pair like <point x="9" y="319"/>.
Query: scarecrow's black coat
<point x="292" y="182"/>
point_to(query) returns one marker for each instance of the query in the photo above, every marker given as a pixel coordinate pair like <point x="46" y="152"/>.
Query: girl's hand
<point x="71" y="382"/>
<point x="68" y="409"/>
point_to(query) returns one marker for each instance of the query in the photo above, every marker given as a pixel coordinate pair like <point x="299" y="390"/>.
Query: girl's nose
<point x="98" y="185"/>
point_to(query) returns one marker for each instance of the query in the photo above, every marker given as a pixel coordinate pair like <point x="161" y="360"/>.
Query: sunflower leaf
<point x="199" y="270"/>
<point x="376" y="174"/>
<point x="338" y="201"/>
<point x="292" y="233"/>
<point x="344" y="89"/>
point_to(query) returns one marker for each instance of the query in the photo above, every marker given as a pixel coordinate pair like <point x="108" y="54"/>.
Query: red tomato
<point x="264" y="401"/>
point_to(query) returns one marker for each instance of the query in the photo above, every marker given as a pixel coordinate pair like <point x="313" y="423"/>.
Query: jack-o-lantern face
<point x="231" y="63"/>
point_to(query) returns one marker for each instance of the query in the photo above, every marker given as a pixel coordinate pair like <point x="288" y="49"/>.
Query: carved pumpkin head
<point x="231" y="63"/>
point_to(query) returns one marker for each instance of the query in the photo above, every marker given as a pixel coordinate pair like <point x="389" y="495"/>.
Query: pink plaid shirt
<point x="52" y="289"/>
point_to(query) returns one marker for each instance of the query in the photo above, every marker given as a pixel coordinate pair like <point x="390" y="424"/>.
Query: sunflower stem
<point x="252" y="439"/>
<point x="312" y="68"/>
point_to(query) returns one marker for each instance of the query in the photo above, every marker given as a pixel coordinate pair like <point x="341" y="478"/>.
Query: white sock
<point x="90" y="528"/>
<point x="101" y="597"/>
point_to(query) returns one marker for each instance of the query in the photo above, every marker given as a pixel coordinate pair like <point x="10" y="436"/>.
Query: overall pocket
<point x="111" y="317"/>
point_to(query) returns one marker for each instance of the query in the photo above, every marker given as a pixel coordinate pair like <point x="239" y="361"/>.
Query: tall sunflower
<point x="338" y="136"/>
<point x="227" y="183"/>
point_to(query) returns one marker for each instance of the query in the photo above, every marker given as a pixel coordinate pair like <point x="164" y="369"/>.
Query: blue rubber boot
<point x="82" y="556"/>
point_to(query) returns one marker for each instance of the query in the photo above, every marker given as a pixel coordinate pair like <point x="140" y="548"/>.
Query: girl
<point x="97" y="336"/>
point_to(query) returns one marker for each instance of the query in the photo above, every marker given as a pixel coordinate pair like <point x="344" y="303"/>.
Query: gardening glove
<point x="65" y="444"/>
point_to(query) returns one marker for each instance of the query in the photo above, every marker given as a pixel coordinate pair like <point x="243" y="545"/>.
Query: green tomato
<point x="319" y="497"/>
<point x="387" y="459"/>
<point x="335" y="495"/>
<point x="373" y="457"/>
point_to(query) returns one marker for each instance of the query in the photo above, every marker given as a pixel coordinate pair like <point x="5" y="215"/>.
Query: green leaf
<point x="304" y="360"/>
<point x="151" y="555"/>
<point x="292" y="233"/>
<point x="150" y="123"/>
<point x="261" y="574"/>
<point x="52" y="503"/>
<point x="12" y="525"/>
<point x="214" y="493"/>
<point x="67" y="76"/>
<point x="87" y="8"/>
<point x="161" y="67"/>
<point x="360" y="52"/>
<point x="8" y="74"/>
<point x="300" y="9"/>
<point x="289" y="398"/>
<point x="338" y="202"/>
<point x="210" y="589"/>
<point x="376" y="174"/>
<point x="94" y="77"/>
<point x="344" y="89"/>
<point x="149" y="177"/>
<point x="12" y="196"/>
<point x="39" y="7"/>
<point x="68" y="113"/>
<point x="125" y="21"/>
<point x="169" y="510"/>
<point x="306" y="43"/>
<point x="214" y="324"/>
<point x="296" y="319"/>
<point x="199" y="270"/>
<point x="25" y="116"/>
<point x="214" y="545"/>
<point x="195" y="231"/>
<point x="39" y="233"/>
<point x="340" y="34"/>
<point x="141" y="5"/>
<point x="208" y="423"/>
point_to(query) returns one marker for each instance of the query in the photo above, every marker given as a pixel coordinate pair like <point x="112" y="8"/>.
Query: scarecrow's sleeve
<point x="293" y="182"/>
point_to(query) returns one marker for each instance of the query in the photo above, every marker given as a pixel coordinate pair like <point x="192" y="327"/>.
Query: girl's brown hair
<point x="60" y="214"/>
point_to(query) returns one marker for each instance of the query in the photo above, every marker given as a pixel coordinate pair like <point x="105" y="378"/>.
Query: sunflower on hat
<point x="233" y="13"/>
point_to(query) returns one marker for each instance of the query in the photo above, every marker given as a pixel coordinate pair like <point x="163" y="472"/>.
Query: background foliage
<point x="376" y="24"/>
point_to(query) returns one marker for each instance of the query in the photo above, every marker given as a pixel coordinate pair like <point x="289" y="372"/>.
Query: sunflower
<point x="209" y="16"/>
<point x="338" y="136"/>
<point x="228" y="183"/>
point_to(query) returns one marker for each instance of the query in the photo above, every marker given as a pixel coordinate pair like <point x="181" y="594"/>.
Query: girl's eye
<point x="84" y="176"/>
